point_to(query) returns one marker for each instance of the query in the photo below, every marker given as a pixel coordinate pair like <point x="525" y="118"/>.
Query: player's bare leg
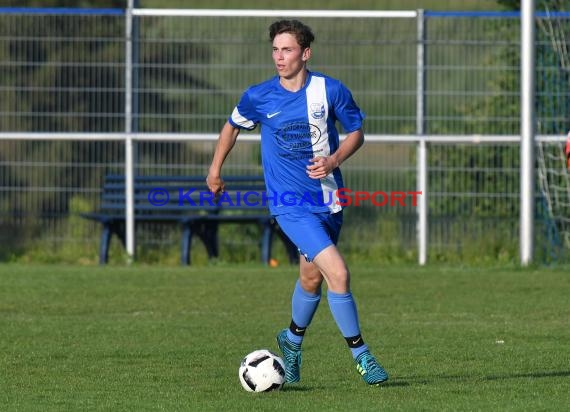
<point x="310" y="276"/>
<point x="331" y="264"/>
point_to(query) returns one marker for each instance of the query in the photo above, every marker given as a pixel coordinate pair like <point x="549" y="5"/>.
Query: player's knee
<point x="312" y="283"/>
<point x="340" y="275"/>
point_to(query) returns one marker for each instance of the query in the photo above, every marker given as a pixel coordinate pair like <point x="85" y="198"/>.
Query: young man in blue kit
<point x="301" y="155"/>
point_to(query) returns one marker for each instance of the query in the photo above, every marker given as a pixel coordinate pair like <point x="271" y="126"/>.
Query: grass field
<point x="151" y="338"/>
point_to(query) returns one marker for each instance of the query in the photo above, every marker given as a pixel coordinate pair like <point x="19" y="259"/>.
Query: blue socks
<point x="343" y="309"/>
<point x="304" y="305"/>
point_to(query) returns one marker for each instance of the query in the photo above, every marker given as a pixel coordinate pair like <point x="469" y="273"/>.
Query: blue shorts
<point x="311" y="232"/>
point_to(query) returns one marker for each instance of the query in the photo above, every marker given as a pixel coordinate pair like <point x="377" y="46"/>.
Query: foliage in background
<point x="172" y="108"/>
<point x="500" y="168"/>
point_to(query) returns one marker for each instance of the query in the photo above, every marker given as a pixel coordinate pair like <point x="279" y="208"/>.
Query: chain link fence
<point x="65" y="73"/>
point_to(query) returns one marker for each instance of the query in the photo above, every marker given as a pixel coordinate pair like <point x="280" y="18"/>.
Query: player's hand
<point x="321" y="167"/>
<point x="215" y="184"/>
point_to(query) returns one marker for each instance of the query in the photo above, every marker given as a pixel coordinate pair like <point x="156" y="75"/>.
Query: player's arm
<point x="322" y="166"/>
<point x="226" y="142"/>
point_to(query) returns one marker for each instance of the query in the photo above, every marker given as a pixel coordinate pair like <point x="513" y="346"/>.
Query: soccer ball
<point x="262" y="371"/>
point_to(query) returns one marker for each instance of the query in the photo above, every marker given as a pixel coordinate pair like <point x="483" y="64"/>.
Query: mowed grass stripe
<point x="153" y="338"/>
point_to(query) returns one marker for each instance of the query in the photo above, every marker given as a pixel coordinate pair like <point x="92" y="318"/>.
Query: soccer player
<point x="301" y="155"/>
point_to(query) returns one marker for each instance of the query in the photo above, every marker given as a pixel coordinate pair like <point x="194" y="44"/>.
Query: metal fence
<point x="73" y="85"/>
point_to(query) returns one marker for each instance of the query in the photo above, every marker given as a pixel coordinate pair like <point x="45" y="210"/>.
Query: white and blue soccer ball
<point x="262" y="371"/>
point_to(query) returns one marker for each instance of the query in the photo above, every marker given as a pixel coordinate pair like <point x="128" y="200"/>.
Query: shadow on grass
<point x="543" y="374"/>
<point x="394" y="383"/>
<point x="554" y="374"/>
<point x="390" y="383"/>
<point x="294" y="388"/>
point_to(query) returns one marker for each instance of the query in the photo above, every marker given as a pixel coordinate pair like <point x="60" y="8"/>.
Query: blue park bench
<point x="186" y="200"/>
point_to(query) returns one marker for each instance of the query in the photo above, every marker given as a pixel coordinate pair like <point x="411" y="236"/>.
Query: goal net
<point x="553" y="109"/>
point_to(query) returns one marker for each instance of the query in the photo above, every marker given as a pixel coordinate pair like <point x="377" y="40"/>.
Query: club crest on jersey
<point x="317" y="110"/>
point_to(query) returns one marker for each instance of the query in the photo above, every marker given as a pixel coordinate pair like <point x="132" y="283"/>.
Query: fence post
<point x="129" y="167"/>
<point x="527" y="133"/>
<point x="422" y="207"/>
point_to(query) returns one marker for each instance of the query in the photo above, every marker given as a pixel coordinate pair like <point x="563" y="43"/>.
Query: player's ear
<point x="306" y="54"/>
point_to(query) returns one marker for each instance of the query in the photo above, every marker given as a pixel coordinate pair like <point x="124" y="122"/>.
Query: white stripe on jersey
<point x="242" y="121"/>
<point x="318" y="113"/>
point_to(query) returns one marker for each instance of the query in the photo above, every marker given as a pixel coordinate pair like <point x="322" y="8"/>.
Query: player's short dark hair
<point x="302" y="32"/>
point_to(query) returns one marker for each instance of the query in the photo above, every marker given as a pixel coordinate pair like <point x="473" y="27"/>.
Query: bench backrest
<point x="184" y="194"/>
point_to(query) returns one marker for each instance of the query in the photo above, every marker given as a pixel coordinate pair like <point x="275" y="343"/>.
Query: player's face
<point x="288" y="56"/>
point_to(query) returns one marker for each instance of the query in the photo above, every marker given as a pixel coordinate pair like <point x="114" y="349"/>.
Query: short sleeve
<point x="244" y="114"/>
<point x="346" y="110"/>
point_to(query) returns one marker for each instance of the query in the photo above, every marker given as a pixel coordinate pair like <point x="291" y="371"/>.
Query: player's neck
<point x="295" y="83"/>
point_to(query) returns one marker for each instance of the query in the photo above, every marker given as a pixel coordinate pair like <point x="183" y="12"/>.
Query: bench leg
<point x="266" y="241"/>
<point x="213" y="242"/>
<point x="104" y="244"/>
<point x="209" y="235"/>
<point x="108" y="230"/>
<point x="121" y="231"/>
<point x="186" y="244"/>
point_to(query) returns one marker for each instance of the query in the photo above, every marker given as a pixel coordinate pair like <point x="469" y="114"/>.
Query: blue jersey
<point x="295" y="127"/>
